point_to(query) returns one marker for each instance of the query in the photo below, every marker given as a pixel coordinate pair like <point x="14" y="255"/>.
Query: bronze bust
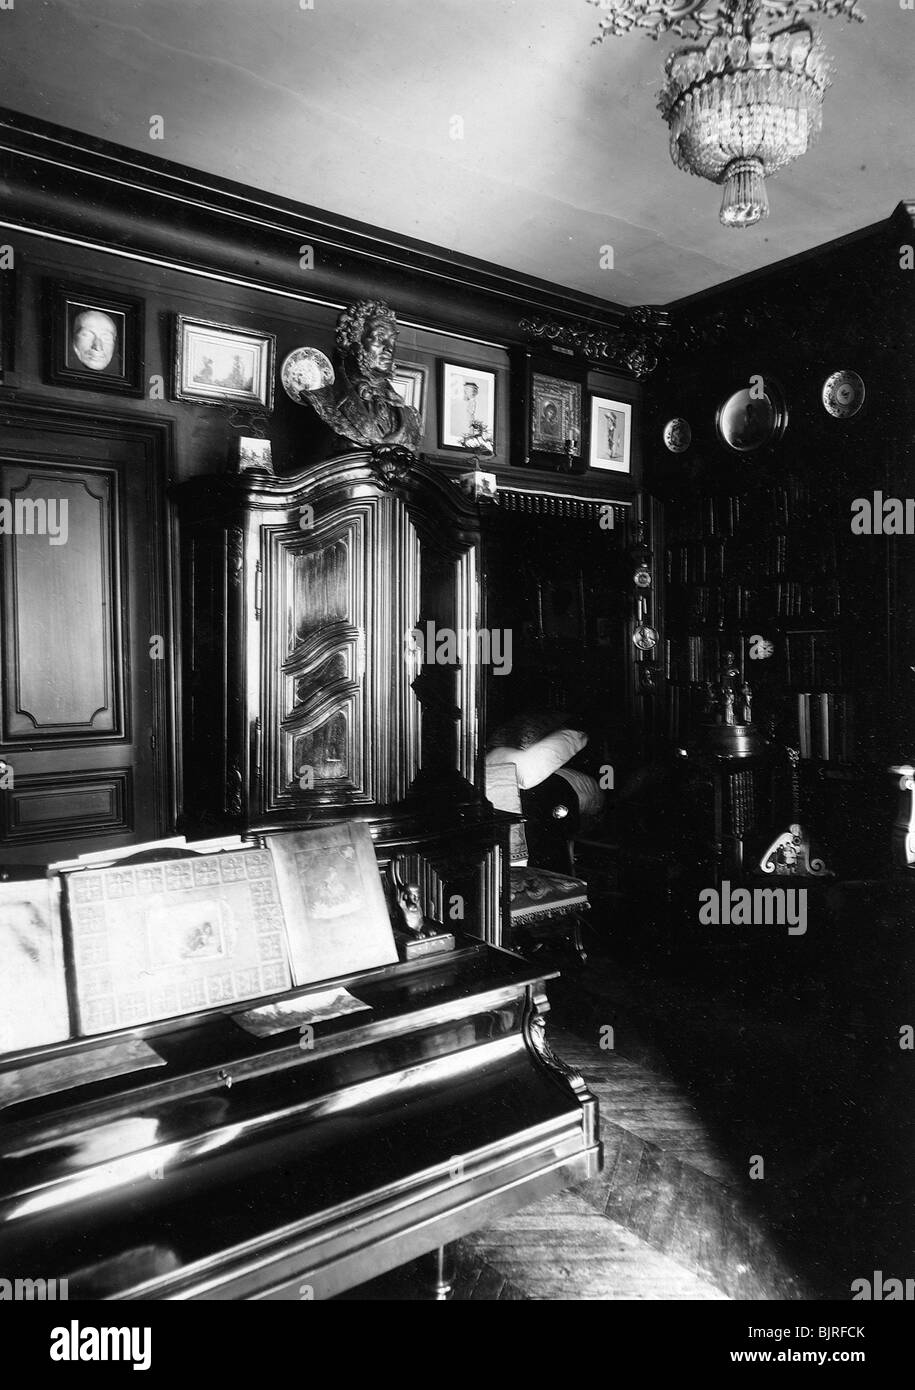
<point x="361" y="405"/>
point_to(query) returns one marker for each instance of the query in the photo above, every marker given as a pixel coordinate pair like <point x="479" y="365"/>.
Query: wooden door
<point x="85" y="664"/>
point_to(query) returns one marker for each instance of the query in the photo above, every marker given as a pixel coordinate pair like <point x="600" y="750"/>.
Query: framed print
<point x="555" y="414"/>
<point x="256" y="454"/>
<point x="410" y="384"/>
<point x="611" y="434"/>
<point x="750" y="419"/>
<point x="94" y="339"/>
<point x="467" y="408"/>
<point x="218" y="364"/>
<point x="549" y="424"/>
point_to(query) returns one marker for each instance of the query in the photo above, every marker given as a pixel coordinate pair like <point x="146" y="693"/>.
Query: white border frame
<point x="625" y="408"/>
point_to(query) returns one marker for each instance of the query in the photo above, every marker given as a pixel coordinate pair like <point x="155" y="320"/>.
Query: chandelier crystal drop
<point x="747" y="98"/>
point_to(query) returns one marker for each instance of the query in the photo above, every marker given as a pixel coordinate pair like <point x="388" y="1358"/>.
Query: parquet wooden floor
<point x="665" y="1219"/>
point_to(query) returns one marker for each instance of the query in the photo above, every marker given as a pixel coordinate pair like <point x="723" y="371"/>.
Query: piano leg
<point x="440" y="1264"/>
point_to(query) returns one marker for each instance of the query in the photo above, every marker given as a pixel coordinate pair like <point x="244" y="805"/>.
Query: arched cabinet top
<point x="433" y="499"/>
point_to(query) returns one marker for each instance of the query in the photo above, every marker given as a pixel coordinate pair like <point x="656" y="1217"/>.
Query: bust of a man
<point x="362" y="405"/>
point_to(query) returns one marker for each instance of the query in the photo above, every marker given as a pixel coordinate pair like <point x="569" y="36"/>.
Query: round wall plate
<point x="748" y="419"/>
<point x="677" y="435"/>
<point x="843" y="394"/>
<point x="305" y="369"/>
<point x="645" y="637"/>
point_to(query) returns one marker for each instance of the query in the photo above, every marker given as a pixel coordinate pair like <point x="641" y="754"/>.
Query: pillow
<point x="541" y="760"/>
<point x="525" y="729"/>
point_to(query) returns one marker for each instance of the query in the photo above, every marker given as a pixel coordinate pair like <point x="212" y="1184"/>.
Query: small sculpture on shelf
<point x="730" y="731"/>
<point x="414" y="919"/>
<point x="790" y="853"/>
<point x="418" y="936"/>
<point x="361" y="404"/>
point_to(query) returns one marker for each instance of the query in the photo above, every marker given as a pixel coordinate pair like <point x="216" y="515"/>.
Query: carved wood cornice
<point x="636" y="348"/>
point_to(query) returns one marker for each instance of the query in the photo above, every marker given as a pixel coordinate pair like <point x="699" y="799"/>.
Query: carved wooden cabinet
<point x="331" y="661"/>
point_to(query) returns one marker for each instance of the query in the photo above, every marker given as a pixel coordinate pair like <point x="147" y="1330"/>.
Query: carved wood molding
<point x="563" y="508"/>
<point x="636" y="348"/>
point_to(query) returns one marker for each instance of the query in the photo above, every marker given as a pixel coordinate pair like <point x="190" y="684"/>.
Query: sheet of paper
<point x="33" y="992"/>
<point x="48" y="1075"/>
<point x="155" y="941"/>
<point x="292" y="1013"/>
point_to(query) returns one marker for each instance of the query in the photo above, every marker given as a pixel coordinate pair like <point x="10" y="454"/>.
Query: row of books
<point x="790" y="504"/>
<point x="775" y="556"/>
<point x="825" y="725"/>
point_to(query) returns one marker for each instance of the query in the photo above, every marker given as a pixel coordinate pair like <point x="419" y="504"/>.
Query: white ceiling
<point x="348" y="107"/>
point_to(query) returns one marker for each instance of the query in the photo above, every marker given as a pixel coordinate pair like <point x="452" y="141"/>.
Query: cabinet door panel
<point x="349" y="583"/>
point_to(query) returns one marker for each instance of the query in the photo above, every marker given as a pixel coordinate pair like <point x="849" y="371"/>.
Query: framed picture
<point x="467" y="408"/>
<point x="254" y="454"/>
<point x="611" y="434"/>
<point x="410" y="384"/>
<point x="555" y="415"/>
<point x="549" y="426"/>
<point x="218" y="364"/>
<point x="94" y="338"/>
<point x="751" y="418"/>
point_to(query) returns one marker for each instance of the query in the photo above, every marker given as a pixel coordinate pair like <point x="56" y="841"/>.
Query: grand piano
<point x="262" y="1168"/>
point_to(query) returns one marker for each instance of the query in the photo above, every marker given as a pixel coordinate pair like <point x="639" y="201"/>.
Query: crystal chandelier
<point x="746" y="98"/>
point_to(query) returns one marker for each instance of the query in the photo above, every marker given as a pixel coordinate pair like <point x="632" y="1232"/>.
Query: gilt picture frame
<point x="222" y="364"/>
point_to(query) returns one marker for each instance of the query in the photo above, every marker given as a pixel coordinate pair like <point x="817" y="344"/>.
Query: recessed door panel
<point x="61" y="634"/>
<point x="85" y="646"/>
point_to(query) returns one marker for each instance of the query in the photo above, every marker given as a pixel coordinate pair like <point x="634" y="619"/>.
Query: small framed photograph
<point x="410" y="385"/>
<point x="467" y="408"/>
<point x="555" y="418"/>
<point x="254" y="453"/>
<point x="218" y="364"/>
<point x="94" y="338"/>
<point x="611" y="434"/>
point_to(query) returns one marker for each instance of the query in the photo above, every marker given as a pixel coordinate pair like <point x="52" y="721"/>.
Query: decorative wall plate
<point x="645" y="638"/>
<point x="843" y="394"/>
<point x="748" y="420"/>
<point x="677" y="435"/>
<point x="305" y="369"/>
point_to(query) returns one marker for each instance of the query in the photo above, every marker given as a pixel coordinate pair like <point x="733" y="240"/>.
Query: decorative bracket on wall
<point x="636" y="348"/>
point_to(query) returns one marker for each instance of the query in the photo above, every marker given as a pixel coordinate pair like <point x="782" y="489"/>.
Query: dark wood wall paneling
<point x="761" y="543"/>
<point x="193" y="244"/>
<point x="80" y="211"/>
